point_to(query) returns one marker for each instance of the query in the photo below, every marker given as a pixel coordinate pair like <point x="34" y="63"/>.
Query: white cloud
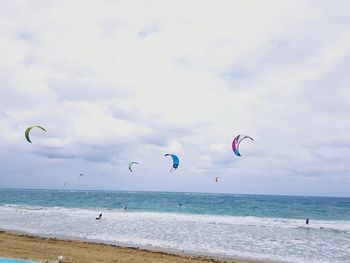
<point x="120" y="81"/>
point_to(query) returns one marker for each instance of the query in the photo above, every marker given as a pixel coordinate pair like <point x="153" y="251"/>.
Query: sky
<point x="120" y="81"/>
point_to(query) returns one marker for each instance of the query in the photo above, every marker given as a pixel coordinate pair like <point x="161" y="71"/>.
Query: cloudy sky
<point x="120" y="81"/>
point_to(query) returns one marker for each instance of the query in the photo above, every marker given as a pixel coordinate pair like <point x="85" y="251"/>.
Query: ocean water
<point x="224" y="225"/>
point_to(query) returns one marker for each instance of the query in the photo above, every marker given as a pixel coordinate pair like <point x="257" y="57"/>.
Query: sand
<point x="23" y="246"/>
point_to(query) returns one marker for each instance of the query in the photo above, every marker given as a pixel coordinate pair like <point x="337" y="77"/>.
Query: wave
<point x="336" y="226"/>
<point x="287" y="240"/>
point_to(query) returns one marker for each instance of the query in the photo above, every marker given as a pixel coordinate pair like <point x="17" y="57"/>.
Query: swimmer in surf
<point x="99" y="217"/>
<point x="307" y="221"/>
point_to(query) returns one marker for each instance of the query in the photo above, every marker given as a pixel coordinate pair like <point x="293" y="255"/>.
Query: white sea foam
<point x="287" y="240"/>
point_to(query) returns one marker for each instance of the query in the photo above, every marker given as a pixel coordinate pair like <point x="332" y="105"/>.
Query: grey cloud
<point x="183" y="62"/>
<point x="161" y="134"/>
<point x="29" y="37"/>
<point x="328" y="94"/>
<point x="115" y="149"/>
<point x="31" y="60"/>
<point x="133" y="114"/>
<point x="287" y="84"/>
<point x="85" y="90"/>
<point x="148" y="31"/>
<point x="53" y="153"/>
<point x="160" y="130"/>
<point x="83" y="151"/>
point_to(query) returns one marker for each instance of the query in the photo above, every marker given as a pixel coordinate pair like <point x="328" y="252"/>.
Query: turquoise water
<point x="250" y="226"/>
<point x="8" y="260"/>
<point x="296" y="207"/>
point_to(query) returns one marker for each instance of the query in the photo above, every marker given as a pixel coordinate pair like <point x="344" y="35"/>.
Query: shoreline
<point x="22" y="245"/>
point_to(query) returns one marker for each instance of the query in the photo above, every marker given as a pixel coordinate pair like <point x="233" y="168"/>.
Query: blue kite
<point x="176" y="161"/>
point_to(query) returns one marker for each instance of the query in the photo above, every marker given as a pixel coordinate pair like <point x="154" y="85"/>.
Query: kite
<point x="131" y="164"/>
<point x="175" y="161"/>
<point x="237" y="140"/>
<point x="26" y="133"/>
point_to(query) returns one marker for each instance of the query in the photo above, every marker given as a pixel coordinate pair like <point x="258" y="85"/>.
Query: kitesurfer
<point x="27" y="131"/>
<point x="307" y="221"/>
<point x="99" y="217"/>
<point x="131" y="164"/>
<point x="175" y="161"/>
<point x="236" y="141"/>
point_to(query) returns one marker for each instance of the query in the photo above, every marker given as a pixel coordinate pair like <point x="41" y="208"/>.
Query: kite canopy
<point x="175" y="160"/>
<point x="26" y="133"/>
<point x="236" y="142"/>
<point x="131" y="164"/>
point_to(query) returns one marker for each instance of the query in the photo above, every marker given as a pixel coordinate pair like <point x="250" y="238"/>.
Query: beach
<point x="24" y="246"/>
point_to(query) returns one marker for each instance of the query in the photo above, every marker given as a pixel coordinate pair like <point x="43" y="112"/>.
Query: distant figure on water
<point x="307" y="221"/>
<point x="126" y="207"/>
<point x="180" y="204"/>
<point x="99" y="217"/>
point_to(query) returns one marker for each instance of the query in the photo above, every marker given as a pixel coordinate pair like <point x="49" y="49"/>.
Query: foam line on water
<point x="341" y="226"/>
<point x="254" y="237"/>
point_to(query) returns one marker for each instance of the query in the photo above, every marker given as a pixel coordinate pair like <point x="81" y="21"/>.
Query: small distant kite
<point x="26" y="133"/>
<point x="176" y="161"/>
<point x="131" y="164"/>
<point x="236" y="142"/>
<point x="80" y="175"/>
<point x="217" y="179"/>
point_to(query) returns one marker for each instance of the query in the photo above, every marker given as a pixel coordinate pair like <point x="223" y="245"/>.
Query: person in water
<point x="180" y="204"/>
<point x="125" y="208"/>
<point x="99" y="217"/>
<point x="307" y="221"/>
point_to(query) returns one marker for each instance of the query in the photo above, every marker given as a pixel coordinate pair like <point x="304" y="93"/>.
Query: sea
<point x="265" y="227"/>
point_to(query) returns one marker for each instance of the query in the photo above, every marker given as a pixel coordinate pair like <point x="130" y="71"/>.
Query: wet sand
<point x="23" y="246"/>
